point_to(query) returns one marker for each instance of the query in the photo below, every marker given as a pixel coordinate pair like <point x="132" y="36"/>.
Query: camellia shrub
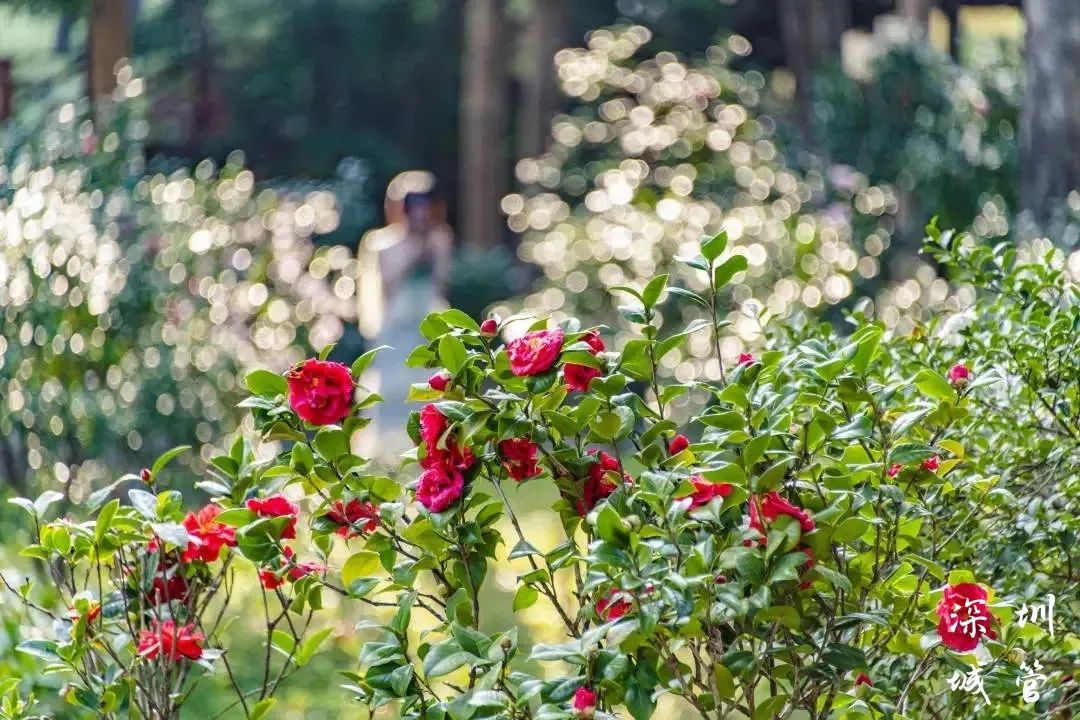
<point x="827" y="538"/>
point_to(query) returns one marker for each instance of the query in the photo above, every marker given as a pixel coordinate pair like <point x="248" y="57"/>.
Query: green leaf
<point x="311" y="645"/>
<point x="850" y="529"/>
<point x="712" y="248"/>
<point x="444" y="658"/>
<point x="844" y="657"/>
<point x="360" y="565"/>
<point x="364" y="361"/>
<point x="907" y="453"/>
<point x="723" y="681"/>
<point x="167" y="457"/>
<point x="44" y="649"/>
<point x="104" y="519"/>
<point x="726" y="270"/>
<point x="45" y="500"/>
<point x="262" y="708"/>
<point x="933" y="385"/>
<point x="456" y="318"/>
<point x="452" y="353"/>
<point x="332" y="443"/>
<point x="144" y="502"/>
<point x="264" y="382"/>
<point x="525" y="597"/>
<point x="689" y="295"/>
<point x="653" y="290"/>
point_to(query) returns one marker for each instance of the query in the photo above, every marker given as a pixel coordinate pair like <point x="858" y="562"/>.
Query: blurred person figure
<point x="404" y="270"/>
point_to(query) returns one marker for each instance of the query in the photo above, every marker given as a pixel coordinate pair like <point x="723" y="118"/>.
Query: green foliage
<point x="833" y="490"/>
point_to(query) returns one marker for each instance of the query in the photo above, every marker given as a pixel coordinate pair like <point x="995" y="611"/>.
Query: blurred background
<point x="193" y="188"/>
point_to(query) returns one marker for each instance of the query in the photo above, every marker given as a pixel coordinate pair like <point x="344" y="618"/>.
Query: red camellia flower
<point x="612" y="606"/>
<point x="577" y="376"/>
<point x="489" y="328"/>
<point x="433" y="427"/>
<point x="92" y="614"/>
<point x="959" y="374"/>
<point x="320" y="392"/>
<point x="208" y="535"/>
<point x="810" y="562"/>
<point x="277" y="506"/>
<point x="599" y="483"/>
<point x="705" y="491"/>
<point x="745" y="359"/>
<point x="677" y="445"/>
<point x="519" y="458"/>
<point x="165" y="639"/>
<point x="894" y="470"/>
<point x="963" y="617"/>
<point x="354" y="517"/>
<point x="440" y="380"/>
<point x="585" y="702"/>
<point x="932" y="464"/>
<point x="772" y="507"/>
<point x="289" y="570"/>
<point x="439" y="487"/>
<point x="863" y="679"/>
<point x="535" y="352"/>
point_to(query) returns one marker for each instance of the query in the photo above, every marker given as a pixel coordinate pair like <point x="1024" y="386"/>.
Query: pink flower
<point x="745" y="359"/>
<point x="959" y="375"/>
<point x="535" y="352"/>
<point x="963" y="617"/>
<point x="677" y="445"/>
<point x="277" y="506"/>
<point x="585" y="702"/>
<point x="354" y="517"/>
<point x="705" y="491"/>
<point x="772" y="507"/>
<point x="894" y="470"/>
<point x="489" y="328"/>
<point x="320" y="392"/>
<point x="612" y="606"/>
<point x="440" y="380"/>
<point x="863" y="679"/>
<point x="439" y="488"/>
<point x="208" y="535"/>
<point x="433" y="427"/>
<point x="599" y="483"/>
<point x="577" y="376"/>
<point x="519" y="458"/>
<point x="932" y="464"/>
<point x="172" y="642"/>
<point x="289" y="570"/>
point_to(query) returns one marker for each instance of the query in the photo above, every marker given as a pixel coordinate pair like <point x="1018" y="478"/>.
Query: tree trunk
<point x="108" y="43"/>
<point x="1050" y="119"/>
<point x="483" y="122"/>
<point x="812" y="31"/>
<point x="544" y="36"/>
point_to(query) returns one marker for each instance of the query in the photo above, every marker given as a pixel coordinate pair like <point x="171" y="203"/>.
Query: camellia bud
<point x="490" y="327"/>
<point x="145" y="475"/>
<point x="678" y="444"/>
<point x="585" y="703"/>
<point x="506" y="644"/>
<point x="745" y="359"/>
<point x="440" y="380"/>
<point x="959" y="375"/>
